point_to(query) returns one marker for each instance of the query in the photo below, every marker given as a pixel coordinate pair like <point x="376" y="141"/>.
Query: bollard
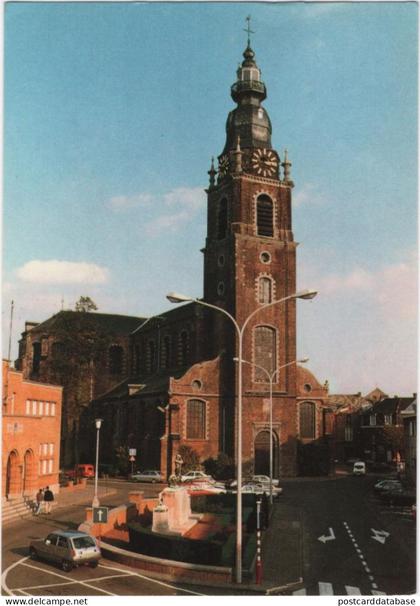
<point x="258" y="565"/>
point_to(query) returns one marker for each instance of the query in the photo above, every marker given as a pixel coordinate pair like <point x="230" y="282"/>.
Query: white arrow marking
<point x="380" y="535"/>
<point x="324" y="538"/>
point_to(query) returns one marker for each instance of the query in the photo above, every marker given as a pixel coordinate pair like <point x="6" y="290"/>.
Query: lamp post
<point x="174" y="297"/>
<point x="271" y="377"/>
<point x="95" y="501"/>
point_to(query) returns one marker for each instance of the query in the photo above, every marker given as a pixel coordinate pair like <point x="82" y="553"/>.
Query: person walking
<point x="48" y="499"/>
<point x="39" y="501"/>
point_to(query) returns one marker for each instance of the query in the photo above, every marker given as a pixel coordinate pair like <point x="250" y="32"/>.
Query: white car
<point x="258" y="479"/>
<point x="150" y="475"/>
<point x="359" y="468"/>
<point x="259" y="489"/>
<point x="204" y="487"/>
<point x="197" y="475"/>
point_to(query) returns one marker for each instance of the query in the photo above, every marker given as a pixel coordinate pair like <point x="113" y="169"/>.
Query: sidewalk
<point x="282" y="549"/>
<point x="66" y="499"/>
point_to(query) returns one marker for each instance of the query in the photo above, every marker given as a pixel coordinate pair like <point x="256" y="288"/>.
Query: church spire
<point x="248" y="120"/>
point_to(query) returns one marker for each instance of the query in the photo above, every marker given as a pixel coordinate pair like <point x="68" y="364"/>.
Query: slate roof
<point x="390" y="405"/>
<point x="115" y="323"/>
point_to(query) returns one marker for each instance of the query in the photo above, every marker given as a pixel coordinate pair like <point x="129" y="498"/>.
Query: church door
<point x="262" y="454"/>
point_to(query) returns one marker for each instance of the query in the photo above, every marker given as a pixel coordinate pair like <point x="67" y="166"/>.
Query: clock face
<point x="264" y="162"/>
<point x="223" y="165"/>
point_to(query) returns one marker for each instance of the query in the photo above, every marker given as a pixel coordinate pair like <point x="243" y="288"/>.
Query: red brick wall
<point x="27" y="437"/>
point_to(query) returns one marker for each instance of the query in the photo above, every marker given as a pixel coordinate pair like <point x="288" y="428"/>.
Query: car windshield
<point x="83" y="542"/>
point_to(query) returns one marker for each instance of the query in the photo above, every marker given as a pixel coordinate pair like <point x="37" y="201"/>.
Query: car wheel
<point x="33" y="554"/>
<point x="67" y="566"/>
<point x="93" y="564"/>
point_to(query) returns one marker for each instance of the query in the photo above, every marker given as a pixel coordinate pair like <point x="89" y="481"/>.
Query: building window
<point x="28" y="407"/>
<point x="307" y="420"/>
<point x="265" y="257"/>
<point x="221" y="260"/>
<point x="47" y="408"/>
<point x="222" y="219"/>
<point x="115" y="355"/>
<point x="50" y="465"/>
<point x="34" y="407"/>
<point x="265" y="216"/>
<point x="221" y="289"/>
<point x="36" y="357"/>
<point x="183" y="348"/>
<point x="166" y="352"/>
<point x="265" y="290"/>
<point x="264" y="351"/>
<point x="372" y="420"/>
<point x="53" y="409"/>
<point x="150" y="356"/>
<point x="387" y="419"/>
<point x="196" y="420"/>
<point x="40" y="408"/>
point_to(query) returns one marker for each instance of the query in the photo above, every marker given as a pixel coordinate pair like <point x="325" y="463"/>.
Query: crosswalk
<point x="328" y="589"/>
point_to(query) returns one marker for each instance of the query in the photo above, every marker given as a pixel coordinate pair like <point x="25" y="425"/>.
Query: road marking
<point x="352" y="590"/>
<point x="330" y="537"/>
<point x="300" y="592"/>
<point x="61" y="576"/>
<point x="325" y="588"/>
<point x="112" y="576"/>
<point x="380" y="535"/>
<point x="6" y="572"/>
<point x="141" y="576"/>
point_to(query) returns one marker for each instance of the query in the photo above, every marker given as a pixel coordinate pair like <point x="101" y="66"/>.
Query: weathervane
<point x="248" y="30"/>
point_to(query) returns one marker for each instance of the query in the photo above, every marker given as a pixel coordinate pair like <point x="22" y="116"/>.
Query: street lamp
<point x="271" y="377"/>
<point x="175" y="297"/>
<point x="95" y="501"/>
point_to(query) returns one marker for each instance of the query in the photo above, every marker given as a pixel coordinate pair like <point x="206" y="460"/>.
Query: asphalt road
<point x="365" y="547"/>
<point x="343" y="512"/>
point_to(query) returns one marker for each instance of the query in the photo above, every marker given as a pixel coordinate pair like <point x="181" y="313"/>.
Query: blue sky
<point x="113" y="111"/>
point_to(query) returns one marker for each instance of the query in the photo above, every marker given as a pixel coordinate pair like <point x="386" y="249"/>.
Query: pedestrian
<point x="48" y="499"/>
<point x="39" y="501"/>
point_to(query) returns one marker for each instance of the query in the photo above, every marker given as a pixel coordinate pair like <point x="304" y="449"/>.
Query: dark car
<point x="399" y="496"/>
<point x="386" y="485"/>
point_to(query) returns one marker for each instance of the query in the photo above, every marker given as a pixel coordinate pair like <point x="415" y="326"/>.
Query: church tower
<point x="250" y="260"/>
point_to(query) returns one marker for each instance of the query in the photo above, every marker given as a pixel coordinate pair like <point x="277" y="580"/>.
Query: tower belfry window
<point x="265" y="346"/>
<point x="222" y="219"/>
<point x="265" y="216"/>
<point x="265" y="290"/>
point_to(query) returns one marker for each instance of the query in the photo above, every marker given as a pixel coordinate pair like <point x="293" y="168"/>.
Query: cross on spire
<point x="248" y="30"/>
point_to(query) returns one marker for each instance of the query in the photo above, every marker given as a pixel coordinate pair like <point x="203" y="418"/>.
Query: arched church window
<point x="196" y="420"/>
<point x="265" y="290"/>
<point x="184" y="346"/>
<point x="166" y="352"/>
<point x="265" y="345"/>
<point x="222" y="219"/>
<point x="36" y="356"/>
<point x="150" y="356"/>
<point x="307" y="420"/>
<point x="116" y="359"/>
<point x="265" y="216"/>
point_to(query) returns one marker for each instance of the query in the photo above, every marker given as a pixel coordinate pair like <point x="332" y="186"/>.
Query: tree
<point x="79" y="345"/>
<point x="392" y="436"/>
<point x="85" y="304"/>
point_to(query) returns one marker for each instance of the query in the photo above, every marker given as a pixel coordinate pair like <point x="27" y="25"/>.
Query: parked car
<point x="150" y="475"/>
<point x="399" y="497"/>
<point x="384" y="485"/>
<point x="259" y="489"/>
<point x="197" y="475"/>
<point x="257" y="479"/>
<point x="82" y="470"/>
<point x="359" y="468"/>
<point x="202" y="487"/>
<point x="69" y="548"/>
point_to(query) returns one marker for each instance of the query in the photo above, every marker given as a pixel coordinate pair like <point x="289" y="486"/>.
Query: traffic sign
<point x="132" y="459"/>
<point x="132" y="452"/>
<point x="100" y="515"/>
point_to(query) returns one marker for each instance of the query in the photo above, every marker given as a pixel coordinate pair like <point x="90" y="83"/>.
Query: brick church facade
<point x="179" y="385"/>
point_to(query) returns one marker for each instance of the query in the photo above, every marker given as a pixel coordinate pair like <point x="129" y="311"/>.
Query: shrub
<point x="191" y="460"/>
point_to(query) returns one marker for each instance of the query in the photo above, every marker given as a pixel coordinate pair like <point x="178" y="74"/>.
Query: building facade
<point x="179" y="385"/>
<point x="31" y="418"/>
